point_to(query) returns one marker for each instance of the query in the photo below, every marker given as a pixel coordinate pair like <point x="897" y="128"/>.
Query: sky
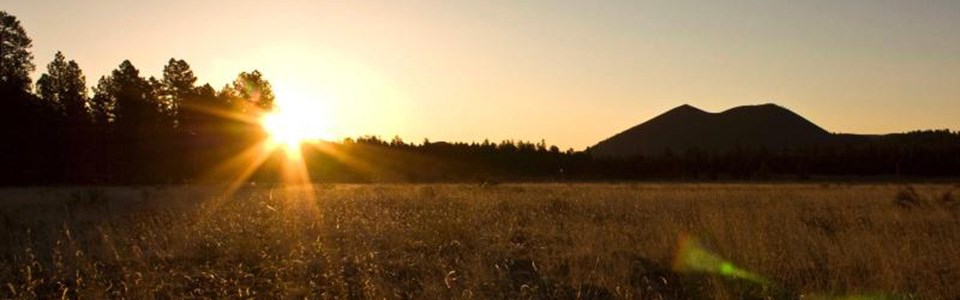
<point x="571" y="73"/>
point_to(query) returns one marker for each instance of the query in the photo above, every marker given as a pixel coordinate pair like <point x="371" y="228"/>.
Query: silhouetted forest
<point x="130" y="129"/>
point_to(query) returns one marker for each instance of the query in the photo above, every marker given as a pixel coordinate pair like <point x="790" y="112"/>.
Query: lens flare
<point x="692" y="257"/>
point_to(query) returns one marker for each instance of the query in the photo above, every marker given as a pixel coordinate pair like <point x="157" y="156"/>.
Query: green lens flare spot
<point x="694" y="258"/>
<point x="726" y="269"/>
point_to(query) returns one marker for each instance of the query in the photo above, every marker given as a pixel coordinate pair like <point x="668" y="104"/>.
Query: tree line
<point x="129" y="129"/>
<point x="908" y="156"/>
<point x="132" y="129"/>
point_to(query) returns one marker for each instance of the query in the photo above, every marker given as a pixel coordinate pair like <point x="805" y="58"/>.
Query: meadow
<point x="462" y="241"/>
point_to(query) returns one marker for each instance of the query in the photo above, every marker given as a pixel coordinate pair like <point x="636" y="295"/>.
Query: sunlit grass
<point x="464" y="241"/>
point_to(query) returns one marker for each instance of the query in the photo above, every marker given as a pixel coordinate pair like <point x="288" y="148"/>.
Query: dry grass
<point x="543" y="241"/>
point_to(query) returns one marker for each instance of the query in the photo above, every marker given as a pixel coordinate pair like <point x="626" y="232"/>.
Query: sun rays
<point x="295" y="121"/>
<point x="276" y="138"/>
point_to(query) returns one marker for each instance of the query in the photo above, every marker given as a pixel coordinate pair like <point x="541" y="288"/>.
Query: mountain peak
<point x="687" y="108"/>
<point x="682" y="112"/>
<point x="758" y="107"/>
<point x="686" y="127"/>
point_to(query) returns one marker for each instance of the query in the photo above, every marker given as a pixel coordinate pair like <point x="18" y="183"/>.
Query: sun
<point x="293" y="122"/>
<point x="282" y="132"/>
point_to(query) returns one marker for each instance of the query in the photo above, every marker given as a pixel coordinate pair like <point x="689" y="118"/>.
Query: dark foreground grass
<point x="539" y="241"/>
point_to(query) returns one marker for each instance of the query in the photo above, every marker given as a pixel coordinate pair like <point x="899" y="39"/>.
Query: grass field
<point x="538" y="241"/>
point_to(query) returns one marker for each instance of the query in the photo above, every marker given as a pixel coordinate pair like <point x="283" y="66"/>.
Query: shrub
<point x="907" y="198"/>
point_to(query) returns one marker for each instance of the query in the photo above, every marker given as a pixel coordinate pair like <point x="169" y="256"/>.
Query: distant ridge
<point x="686" y="127"/>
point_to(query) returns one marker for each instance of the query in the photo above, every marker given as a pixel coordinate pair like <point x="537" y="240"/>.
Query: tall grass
<point x="540" y="241"/>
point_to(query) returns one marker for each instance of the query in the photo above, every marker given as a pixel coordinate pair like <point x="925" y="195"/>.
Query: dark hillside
<point x="686" y="127"/>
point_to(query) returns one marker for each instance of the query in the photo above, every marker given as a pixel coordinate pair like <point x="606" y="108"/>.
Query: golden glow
<point x="295" y="120"/>
<point x="283" y="133"/>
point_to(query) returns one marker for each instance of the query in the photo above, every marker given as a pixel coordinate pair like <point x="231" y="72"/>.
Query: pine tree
<point x="132" y="99"/>
<point x="254" y="90"/>
<point x="16" y="61"/>
<point x="65" y="88"/>
<point x="176" y="88"/>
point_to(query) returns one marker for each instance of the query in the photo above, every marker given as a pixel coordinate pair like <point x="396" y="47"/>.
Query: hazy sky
<point x="571" y="72"/>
